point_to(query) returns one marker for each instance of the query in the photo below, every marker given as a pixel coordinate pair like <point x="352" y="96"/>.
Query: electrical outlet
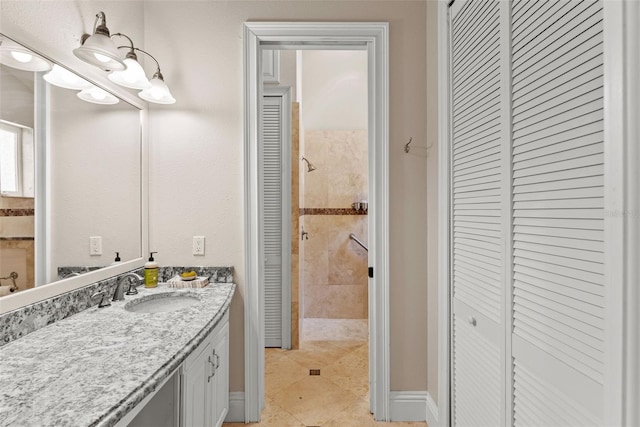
<point x="95" y="245"/>
<point x="198" y="245"/>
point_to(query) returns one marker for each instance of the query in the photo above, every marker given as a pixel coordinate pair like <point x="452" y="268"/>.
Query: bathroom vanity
<point x="120" y="365"/>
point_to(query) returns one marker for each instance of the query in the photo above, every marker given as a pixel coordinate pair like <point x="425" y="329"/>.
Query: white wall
<point x="334" y="90"/>
<point x="16" y="87"/>
<point x="95" y="180"/>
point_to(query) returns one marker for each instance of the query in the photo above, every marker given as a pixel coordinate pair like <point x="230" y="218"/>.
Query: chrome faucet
<point x="118" y="295"/>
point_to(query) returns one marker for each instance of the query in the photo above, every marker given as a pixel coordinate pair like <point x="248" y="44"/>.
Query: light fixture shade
<point x="16" y="56"/>
<point x="97" y="95"/>
<point x="133" y="77"/>
<point x="158" y="93"/>
<point x="99" y="50"/>
<point x="64" y="78"/>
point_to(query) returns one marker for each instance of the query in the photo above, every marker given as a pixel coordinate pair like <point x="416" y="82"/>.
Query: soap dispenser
<point x="151" y="272"/>
<point x="117" y="259"/>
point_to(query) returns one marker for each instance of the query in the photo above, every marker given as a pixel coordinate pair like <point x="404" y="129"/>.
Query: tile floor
<point x="338" y="397"/>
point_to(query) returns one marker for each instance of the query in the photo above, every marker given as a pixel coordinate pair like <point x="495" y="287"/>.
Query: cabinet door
<point x="559" y="305"/>
<point x="480" y="211"/>
<point x="220" y="380"/>
<point x="276" y="278"/>
<point x="197" y="389"/>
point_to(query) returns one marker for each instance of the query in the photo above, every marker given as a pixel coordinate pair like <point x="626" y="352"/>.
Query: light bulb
<point x="21" y="56"/>
<point x="98" y="94"/>
<point x="102" y="58"/>
<point x="157" y="93"/>
<point x="64" y="78"/>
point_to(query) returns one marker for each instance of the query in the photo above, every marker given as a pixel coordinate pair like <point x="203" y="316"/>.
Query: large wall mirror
<point x="71" y="178"/>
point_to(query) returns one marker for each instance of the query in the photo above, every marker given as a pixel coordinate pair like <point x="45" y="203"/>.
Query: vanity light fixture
<point x="159" y="92"/>
<point x="98" y="49"/>
<point x="97" y="95"/>
<point x="60" y="76"/>
<point x="133" y="77"/>
<point x="16" y="56"/>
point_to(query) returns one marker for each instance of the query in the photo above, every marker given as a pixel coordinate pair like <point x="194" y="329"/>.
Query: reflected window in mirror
<point x="16" y="160"/>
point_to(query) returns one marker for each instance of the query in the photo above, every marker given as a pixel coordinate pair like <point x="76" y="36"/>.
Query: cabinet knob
<point x="472" y="321"/>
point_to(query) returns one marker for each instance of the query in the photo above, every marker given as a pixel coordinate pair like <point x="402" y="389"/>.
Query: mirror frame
<point x="49" y="290"/>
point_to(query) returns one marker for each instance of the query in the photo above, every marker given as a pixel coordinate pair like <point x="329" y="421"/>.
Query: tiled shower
<point x="334" y="267"/>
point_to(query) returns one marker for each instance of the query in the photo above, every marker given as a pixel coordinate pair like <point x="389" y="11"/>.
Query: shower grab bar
<point x="353" y="237"/>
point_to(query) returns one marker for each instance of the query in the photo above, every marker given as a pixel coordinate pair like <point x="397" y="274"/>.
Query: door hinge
<point x="371" y="272"/>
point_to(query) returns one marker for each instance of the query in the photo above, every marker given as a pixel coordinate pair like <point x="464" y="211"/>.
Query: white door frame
<point x="622" y="213"/>
<point x="374" y="37"/>
<point x="444" y="216"/>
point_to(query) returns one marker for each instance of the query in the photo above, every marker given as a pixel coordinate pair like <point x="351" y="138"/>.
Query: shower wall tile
<point x="17" y="237"/>
<point x="25" y="267"/>
<point x="336" y="302"/>
<point x="341" y="175"/>
<point x="335" y="267"/>
<point x="295" y="224"/>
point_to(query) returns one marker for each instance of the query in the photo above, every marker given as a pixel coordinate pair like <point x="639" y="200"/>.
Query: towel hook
<point x="406" y="146"/>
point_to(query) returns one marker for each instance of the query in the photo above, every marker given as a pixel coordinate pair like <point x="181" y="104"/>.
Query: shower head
<point x="310" y="166"/>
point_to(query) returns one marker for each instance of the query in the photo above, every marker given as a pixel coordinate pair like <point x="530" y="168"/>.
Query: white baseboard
<point x="236" y="407"/>
<point x="432" y="412"/>
<point x="403" y="406"/>
<point x="408" y="405"/>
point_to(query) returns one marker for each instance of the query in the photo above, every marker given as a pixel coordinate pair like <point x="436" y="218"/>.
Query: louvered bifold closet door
<point x="478" y="257"/>
<point x="272" y="219"/>
<point x="558" y="248"/>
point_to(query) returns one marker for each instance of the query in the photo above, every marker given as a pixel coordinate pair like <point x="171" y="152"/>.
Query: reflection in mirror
<point x="88" y="184"/>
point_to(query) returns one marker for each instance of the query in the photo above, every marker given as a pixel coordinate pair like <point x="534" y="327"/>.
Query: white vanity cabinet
<point x="205" y="380"/>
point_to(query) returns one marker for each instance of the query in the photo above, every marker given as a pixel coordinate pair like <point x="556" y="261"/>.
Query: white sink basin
<point x="161" y="303"/>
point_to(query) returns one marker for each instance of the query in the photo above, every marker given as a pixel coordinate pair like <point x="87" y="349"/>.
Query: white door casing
<point x="373" y="37"/>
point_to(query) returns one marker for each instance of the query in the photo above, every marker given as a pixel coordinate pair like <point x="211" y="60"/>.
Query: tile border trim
<point x="330" y="211"/>
<point x="4" y="212"/>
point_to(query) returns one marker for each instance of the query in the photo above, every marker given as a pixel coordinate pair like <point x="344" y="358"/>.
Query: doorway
<point x="372" y="38"/>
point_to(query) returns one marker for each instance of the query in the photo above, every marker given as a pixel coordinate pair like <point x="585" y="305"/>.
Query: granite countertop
<point x="94" y="367"/>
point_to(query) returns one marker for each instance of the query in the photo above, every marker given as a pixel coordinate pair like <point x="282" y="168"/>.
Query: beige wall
<point x="203" y="67"/>
<point x="199" y="45"/>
